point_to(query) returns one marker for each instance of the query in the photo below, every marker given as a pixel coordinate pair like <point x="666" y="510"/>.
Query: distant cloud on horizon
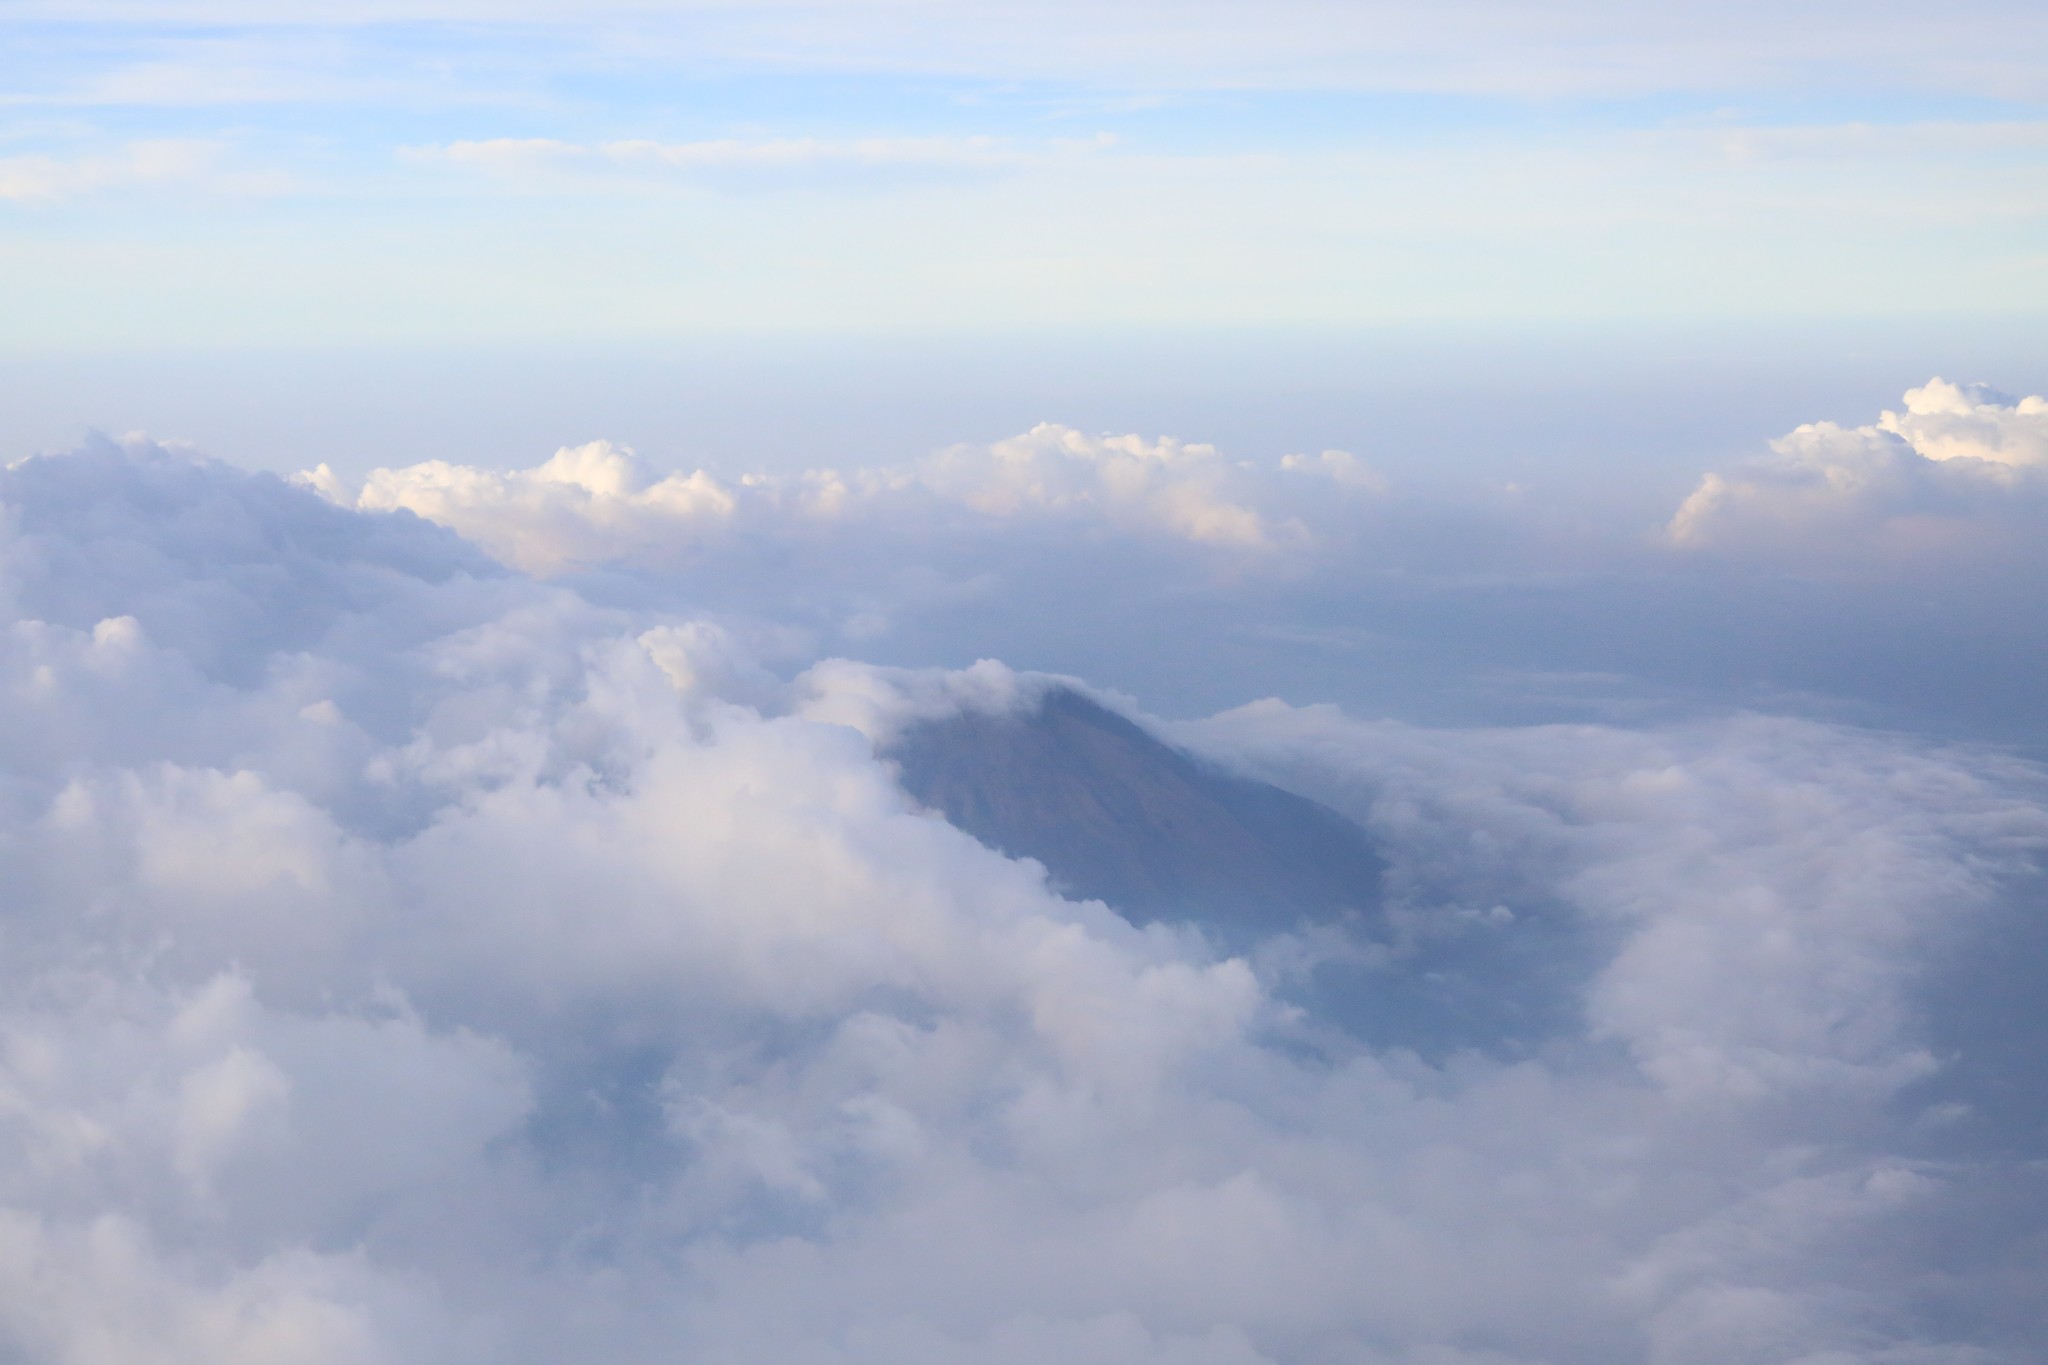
<point x="1958" y="473"/>
<point x="596" y="503"/>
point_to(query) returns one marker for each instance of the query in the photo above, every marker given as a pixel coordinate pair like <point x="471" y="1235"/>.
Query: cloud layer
<point x="1953" y="475"/>
<point x="409" y="960"/>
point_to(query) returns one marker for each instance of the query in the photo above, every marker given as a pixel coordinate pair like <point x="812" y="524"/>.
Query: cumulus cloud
<point x="587" y="504"/>
<point x="1189" y="491"/>
<point x="598" y="503"/>
<point x="1956" y="466"/>
<point x="412" y="961"/>
<point x="1945" y="421"/>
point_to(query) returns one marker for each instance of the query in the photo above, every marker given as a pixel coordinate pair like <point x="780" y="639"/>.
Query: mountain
<point x="1118" y="815"/>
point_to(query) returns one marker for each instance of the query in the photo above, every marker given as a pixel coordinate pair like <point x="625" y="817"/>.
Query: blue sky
<point x="224" y="174"/>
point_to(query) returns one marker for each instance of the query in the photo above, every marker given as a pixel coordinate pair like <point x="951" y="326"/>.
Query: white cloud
<point x="597" y="503"/>
<point x="1189" y="491"/>
<point x="82" y="1294"/>
<point x="587" y="504"/>
<point x="1944" y="421"/>
<point x="1955" y="472"/>
<point x="412" y="962"/>
<point x="1765" y="926"/>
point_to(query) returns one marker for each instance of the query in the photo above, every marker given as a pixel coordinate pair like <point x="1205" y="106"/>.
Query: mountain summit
<point x="1118" y="815"/>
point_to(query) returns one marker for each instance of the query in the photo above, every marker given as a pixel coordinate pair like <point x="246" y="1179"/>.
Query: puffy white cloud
<point x="410" y="961"/>
<point x="1957" y="470"/>
<point x="587" y="504"/>
<point x="1189" y="491"/>
<point x="1945" y="421"/>
<point x="597" y="503"/>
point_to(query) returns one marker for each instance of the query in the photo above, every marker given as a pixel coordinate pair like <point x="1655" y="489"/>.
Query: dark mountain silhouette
<point x="1118" y="815"/>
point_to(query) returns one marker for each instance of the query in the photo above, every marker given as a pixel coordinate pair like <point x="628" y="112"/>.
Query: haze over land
<point x="1121" y="685"/>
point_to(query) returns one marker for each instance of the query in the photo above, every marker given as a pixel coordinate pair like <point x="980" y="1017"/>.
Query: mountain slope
<point x="1118" y="815"/>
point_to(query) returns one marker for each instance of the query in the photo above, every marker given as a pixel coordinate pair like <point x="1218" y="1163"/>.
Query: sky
<point x="291" y="175"/>
<point x="488" y="487"/>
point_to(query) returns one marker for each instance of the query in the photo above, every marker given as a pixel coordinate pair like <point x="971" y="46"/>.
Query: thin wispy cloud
<point x="1020" y="166"/>
<point x="1584" y="48"/>
<point x="541" y="158"/>
<point x="158" y="164"/>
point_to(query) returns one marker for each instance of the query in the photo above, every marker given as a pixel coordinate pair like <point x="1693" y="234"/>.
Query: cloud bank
<point x="1955" y="473"/>
<point x="598" y="503"/>
<point x="413" y="960"/>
